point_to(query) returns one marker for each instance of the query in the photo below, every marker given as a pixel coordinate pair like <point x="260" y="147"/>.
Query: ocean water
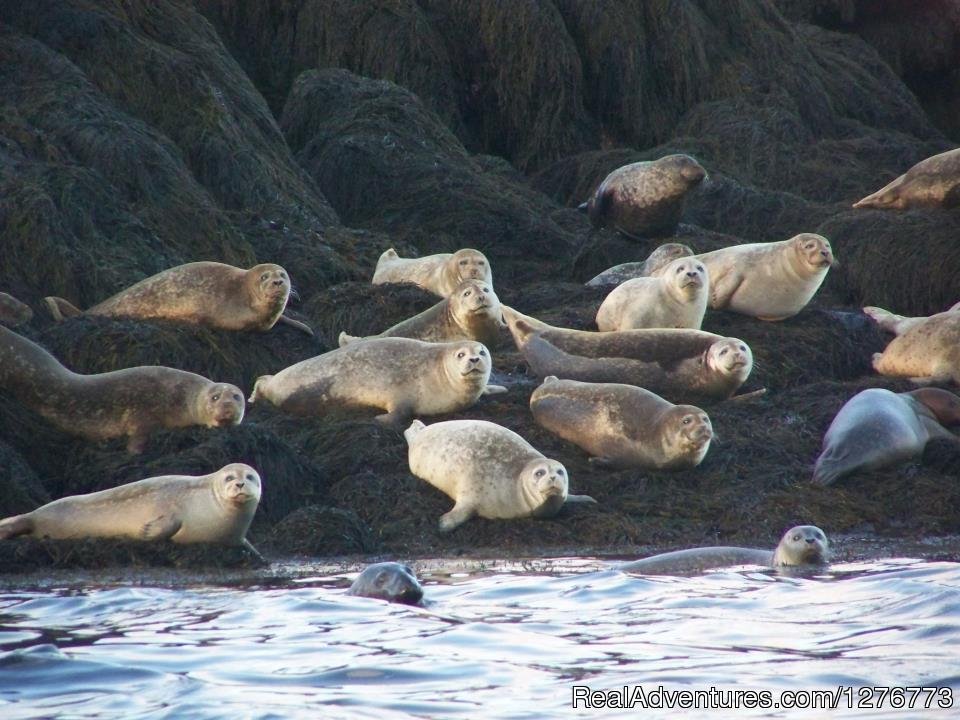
<point x="494" y="640"/>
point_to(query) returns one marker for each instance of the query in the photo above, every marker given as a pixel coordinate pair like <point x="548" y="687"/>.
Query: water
<point x="495" y="640"/>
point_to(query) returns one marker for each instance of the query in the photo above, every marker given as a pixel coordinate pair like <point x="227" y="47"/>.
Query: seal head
<point x="802" y="545"/>
<point x="388" y="581"/>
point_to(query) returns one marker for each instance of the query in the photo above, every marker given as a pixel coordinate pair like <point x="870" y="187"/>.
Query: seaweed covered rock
<point x="322" y="531"/>
<point x="20" y="488"/>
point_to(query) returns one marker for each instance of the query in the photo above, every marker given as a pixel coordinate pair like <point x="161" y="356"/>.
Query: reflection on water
<point x="507" y="643"/>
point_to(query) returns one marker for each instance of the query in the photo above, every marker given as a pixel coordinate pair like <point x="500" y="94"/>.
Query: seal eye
<point x="463" y="262"/>
<point x="460" y="354"/>
<point x="216" y="397"/>
<point x="724" y="351"/>
<point x="743" y="348"/>
<point x="468" y="293"/>
<point x="483" y="352"/>
<point x="686" y="420"/>
<point x="539" y="473"/>
<point x="560" y="471"/>
<point x="230" y="478"/>
<point x="250" y="478"/>
<point x="265" y="276"/>
<point x="236" y="397"/>
<point x="796" y="538"/>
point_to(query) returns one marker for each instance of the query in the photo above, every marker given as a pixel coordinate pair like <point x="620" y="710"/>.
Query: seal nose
<point x="691" y="273"/>
<point x="811" y="540"/>
<point x="475" y="359"/>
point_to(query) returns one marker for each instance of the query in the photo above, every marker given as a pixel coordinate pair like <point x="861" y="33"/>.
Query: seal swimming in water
<point x="214" y="508"/>
<point x="644" y="198"/>
<point x="800" y="545"/>
<point x="657" y="260"/>
<point x="487" y="470"/>
<point x="388" y="581"/>
<point x="133" y="402"/>
<point x="931" y="183"/>
<point x="440" y="273"/>
<point x="210" y="294"/>
<point x="877" y="428"/>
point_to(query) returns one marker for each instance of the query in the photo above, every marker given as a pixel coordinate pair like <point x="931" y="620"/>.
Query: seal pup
<point x="926" y="350"/>
<point x="388" y="581"/>
<point x="877" y="428"/>
<point x="210" y="294"/>
<point x="675" y="298"/>
<point x="931" y="183"/>
<point x="133" y="402"/>
<point x="402" y="376"/>
<point x="800" y="545"/>
<point x="214" y="508"/>
<point x="715" y="372"/>
<point x="656" y="261"/>
<point x="769" y="281"/>
<point x="441" y="274"/>
<point x="13" y="312"/>
<point x="488" y="470"/>
<point x="623" y="426"/>
<point x="644" y="198"/>
<point x="471" y="312"/>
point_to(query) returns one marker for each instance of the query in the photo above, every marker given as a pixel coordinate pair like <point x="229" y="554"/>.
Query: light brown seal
<point x="655" y="262"/>
<point x="471" y="312"/>
<point x="931" y="183"/>
<point x="13" y="312"/>
<point x="214" y="508"/>
<point x="388" y="581"/>
<point x="623" y="426"/>
<point x="927" y="350"/>
<point x="440" y="274"/>
<point x="877" y="428"/>
<point x="898" y="324"/>
<point x="488" y="470"/>
<point x="402" y="376"/>
<point x="800" y="545"/>
<point x="210" y="294"/>
<point x="133" y="402"/>
<point x="675" y="298"/>
<point x="770" y="281"/>
<point x="645" y="198"/>
<point x="679" y="365"/>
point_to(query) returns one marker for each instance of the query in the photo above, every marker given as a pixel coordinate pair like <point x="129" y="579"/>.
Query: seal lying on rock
<point x="658" y="259"/>
<point x="675" y="298"/>
<point x="214" y="508"/>
<point x="899" y="324"/>
<point x="13" y="312"/>
<point x="931" y="183"/>
<point x="210" y="294"/>
<point x="877" y="428"/>
<point x="645" y="198"/>
<point x="769" y="281"/>
<point x="133" y="402"/>
<point x="471" y="312"/>
<point x="623" y="426"/>
<point x="441" y="274"/>
<point x="801" y="545"/>
<point x="926" y="350"/>
<point x="488" y="470"/>
<point x="402" y="376"/>
<point x="389" y="581"/>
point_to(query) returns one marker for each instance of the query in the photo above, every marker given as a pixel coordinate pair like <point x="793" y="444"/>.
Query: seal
<point x="644" y="198"/>
<point x="676" y="298"/>
<point x="388" y="581"/>
<point x="877" y="428"/>
<point x="402" y="376"/>
<point x="487" y="470"/>
<point x="926" y="350"/>
<point x="679" y="365"/>
<point x="13" y="312"/>
<point x="471" y="312"/>
<point x="655" y="262"/>
<point x="800" y="545"/>
<point x="133" y="402"/>
<point x="214" y="508"/>
<point x="931" y="183"/>
<point x="441" y="274"/>
<point x="623" y="426"/>
<point x="210" y="294"/>
<point x="769" y="281"/>
<point x="898" y="324"/>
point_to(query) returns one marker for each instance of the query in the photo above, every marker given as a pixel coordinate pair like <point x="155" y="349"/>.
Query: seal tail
<point x="345" y="339"/>
<point x="416" y="427"/>
<point x="257" y="387"/>
<point x="14" y="526"/>
<point x="61" y="309"/>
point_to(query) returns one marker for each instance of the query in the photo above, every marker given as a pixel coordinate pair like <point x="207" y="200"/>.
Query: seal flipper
<point x="296" y="323"/>
<point x="246" y="544"/>
<point x="397" y="417"/>
<point x="460" y="513"/>
<point x="601" y="463"/>
<point x="494" y="390"/>
<point x="162" y="527"/>
<point x="61" y="309"/>
<point x="581" y="499"/>
<point x="17" y="525"/>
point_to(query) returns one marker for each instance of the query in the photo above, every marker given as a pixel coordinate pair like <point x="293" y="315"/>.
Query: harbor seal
<point x="214" y="508"/>
<point x="488" y="470"/>
<point x="388" y="581"/>
<point x="655" y="262"/>
<point x="471" y="312"/>
<point x="676" y="298"/>
<point x="931" y="183"/>
<point x="878" y="428"/>
<point x="441" y="274"/>
<point x="644" y="198"/>
<point x="927" y="350"/>
<point x="898" y="324"/>
<point x="623" y="426"/>
<point x="402" y="376"/>
<point x="769" y="281"/>
<point x="13" y="312"/>
<point x="800" y="545"/>
<point x="210" y="294"/>
<point x="714" y="372"/>
<point x="133" y="402"/>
